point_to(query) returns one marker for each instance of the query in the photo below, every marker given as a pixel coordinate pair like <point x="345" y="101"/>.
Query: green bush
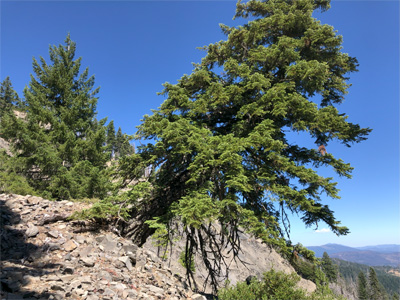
<point x="10" y="181"/>
<point x="274" y="286"/>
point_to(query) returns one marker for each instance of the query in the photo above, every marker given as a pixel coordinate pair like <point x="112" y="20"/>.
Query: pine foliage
<point x="362" y="287"/>
<point x="329" y="268"/>
<point x="59" y="142"/>
<point x="221" y="149"/>
<point x="9" y="99"/>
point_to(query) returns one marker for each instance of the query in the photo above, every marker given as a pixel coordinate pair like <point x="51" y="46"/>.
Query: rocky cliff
<point x="44" y="255"/>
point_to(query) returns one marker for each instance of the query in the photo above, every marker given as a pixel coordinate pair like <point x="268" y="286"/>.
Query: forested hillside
<point x="385" y="275"/>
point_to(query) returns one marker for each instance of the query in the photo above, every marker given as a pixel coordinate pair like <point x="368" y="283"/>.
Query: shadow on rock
<point x="20" y="259"/>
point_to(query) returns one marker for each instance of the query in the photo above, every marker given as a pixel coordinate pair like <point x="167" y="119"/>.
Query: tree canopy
<point x="220" y="147"/>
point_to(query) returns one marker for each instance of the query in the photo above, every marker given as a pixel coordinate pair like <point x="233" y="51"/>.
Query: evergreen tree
<point x="111" y="139"/>
<point x="122" y="145"/>
<point x="8" y="97"/>
<point x="395" y="296"/>
<point x="375" y="291"/>
<point x="362" y="287"/>
<point x="59" y="132"/>
<point x="329" y="268"/>
<point x="221" y="147"/>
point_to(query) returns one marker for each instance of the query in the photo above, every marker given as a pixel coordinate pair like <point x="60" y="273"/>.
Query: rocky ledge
<point x="46" y="256"/>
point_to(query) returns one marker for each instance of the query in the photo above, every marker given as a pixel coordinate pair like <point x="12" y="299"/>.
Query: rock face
<point x="5" y="145"/>
<point x="254" y="259"/>
<point x="46" y="256"/>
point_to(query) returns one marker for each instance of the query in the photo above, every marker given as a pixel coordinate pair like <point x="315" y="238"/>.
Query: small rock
<point x="107" y="242"/>
<point x="33" y="200"/>
<point x="87" y="251"/>
<point x="79" y="292"/>
<point x="104" y="275"/>
<point x="80" y="239"/>
<point x="32" y="230"/>
<point x="130" y="248"/>
<point x="70" y="246"/>
<point x="155" y="289"/>
<point x="67" y="278"/>
<point x="119" y="264"/>
<point x="52" y="277"/>
<point x="53" y="234"/>
<point x="57" y="287"/>
<point x="198" y="297"/>
<point x="127" y="261"/>
<point x="88" y="262"/>
<point x="129" y="293"/>
<point x="108" y="292"/>
<point x="69" y="270"/>
<point x="86" y="279"/>
<point x="92" y="297"/>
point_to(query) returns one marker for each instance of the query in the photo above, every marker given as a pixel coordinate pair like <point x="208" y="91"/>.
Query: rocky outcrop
<point x="44" y="255"/>
<point x="5" y="145"/>
<point x="254" y="259"/>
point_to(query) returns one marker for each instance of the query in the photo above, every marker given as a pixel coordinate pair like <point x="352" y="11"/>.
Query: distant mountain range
<point x="379" y="255"/>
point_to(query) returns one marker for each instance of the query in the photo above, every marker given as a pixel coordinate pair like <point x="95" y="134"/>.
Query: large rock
<point x="254" y="259"/>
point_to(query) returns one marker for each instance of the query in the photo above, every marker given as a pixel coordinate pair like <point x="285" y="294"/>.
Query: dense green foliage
<point x="220" y="147"/>
<point x="329" y="268"/>
<point x="59" y="147"/>
<point x="362" y="287"/>
<point x="10" y="180"/>
<point x="274" y="286"/>
<point x="8" y="97"/>
<point x="375" y="292"/>
<point x="350" y="272"/>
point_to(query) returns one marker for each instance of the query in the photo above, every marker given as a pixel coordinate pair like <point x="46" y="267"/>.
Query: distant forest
<point x="351" y="270"/>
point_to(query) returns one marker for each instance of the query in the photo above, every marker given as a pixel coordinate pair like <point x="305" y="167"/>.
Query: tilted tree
<point x="221" y="149"/>
<point x="59" y="142"/>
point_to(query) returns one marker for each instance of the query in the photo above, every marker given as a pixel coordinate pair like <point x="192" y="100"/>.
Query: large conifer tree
<point x="222" y="149"/>
<point x="362" y="287"/>
<point x="329" y="268"/>
<point x="59" y="142"/>
<point x="375" y="291"/>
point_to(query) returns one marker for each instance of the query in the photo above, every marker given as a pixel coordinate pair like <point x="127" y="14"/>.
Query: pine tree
<point x="375" y="291"/>
<point x="111" y="139"/>
<point x="119" y="140"/>
<point x="395" y="296"/>
<point x="59" y="140"/>
<point x="362" y="287"/>
<point x="329" y="268"/>
<point x="122" y="145"/>
<point x="221" y="148"/>
<point x="8" y="97"/>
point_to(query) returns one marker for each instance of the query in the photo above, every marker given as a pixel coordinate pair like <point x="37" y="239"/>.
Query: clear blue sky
<point x="133" y="47"/>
